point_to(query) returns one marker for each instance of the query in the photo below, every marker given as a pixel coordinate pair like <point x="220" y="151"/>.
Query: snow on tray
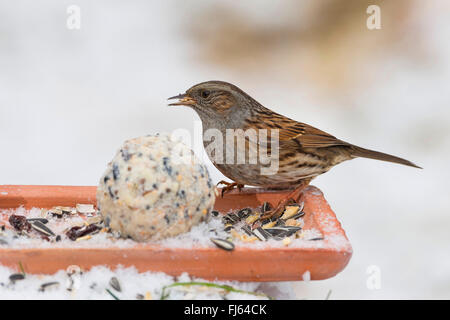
<point x="198" y="237"/>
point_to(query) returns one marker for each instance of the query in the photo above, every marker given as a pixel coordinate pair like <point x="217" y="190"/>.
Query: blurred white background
<point x="69" y="98"/>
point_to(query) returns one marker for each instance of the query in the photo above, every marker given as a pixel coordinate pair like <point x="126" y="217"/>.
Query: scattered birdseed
<point x="140" y="296"/>
<point x="85" y="208"/>
<point x="48" y="286"/>
<point x="114" y="283"/>
<point x="86" y="237"/>
<point x="39" y="226"/>
<point x="244" y="213"/>
<point x="223" y="244"/>
<point x="16" y="276"/>
<point x="262" y="234"/>
<point x="228" y="227"/>
<point x="42" y="220"/>
<point x="56" y="212"/>
<point x="287" y="241"/>
<point x="215" y="213"/>
<point x="289" y="212"/>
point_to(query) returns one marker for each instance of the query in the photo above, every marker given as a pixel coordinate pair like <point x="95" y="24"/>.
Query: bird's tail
<point x="366" y="153"/>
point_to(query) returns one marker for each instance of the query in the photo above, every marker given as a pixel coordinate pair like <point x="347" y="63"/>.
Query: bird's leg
<point x="229" y="186"/>
<point x="293" y="197"/>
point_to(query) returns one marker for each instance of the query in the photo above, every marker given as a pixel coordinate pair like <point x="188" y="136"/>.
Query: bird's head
<point x="213" y="99"/>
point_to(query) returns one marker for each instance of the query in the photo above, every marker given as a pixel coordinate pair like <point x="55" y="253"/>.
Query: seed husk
<point x="86" y="237"/>
<point x="48" y="285"/>
<point x="85" y="208"/>
<point x="94" y="220"/>
<point x="56" y="212"/>
<point x="114" y="283"/>
<point x="269" y="225"/>
<point x="228" y="227"/>
<point x="65" y="210"/>
<point x="289" y="212"/>
<point x="223" y="244"/>
<point x="252" y="218"/>
<point x="42" y="228"/>
<point x="16" y="276"/>
<point x="316" y="239"/>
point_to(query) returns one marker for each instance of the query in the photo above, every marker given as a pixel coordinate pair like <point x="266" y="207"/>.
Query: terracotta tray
<point x="324" y="260"/>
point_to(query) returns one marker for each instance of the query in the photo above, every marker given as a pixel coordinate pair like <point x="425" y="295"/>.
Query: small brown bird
<point x="304" y="152"/>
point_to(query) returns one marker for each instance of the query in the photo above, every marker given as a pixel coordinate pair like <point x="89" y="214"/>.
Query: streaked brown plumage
<point x="304" y="151"/>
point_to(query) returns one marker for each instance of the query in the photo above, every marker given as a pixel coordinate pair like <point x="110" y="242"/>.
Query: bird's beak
<point x="184" y="100"/>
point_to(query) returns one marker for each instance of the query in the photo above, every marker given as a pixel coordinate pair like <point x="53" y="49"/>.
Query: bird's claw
<point x="229" y="186"/>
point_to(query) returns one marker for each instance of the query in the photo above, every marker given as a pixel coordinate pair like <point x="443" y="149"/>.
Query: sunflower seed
<point x="277" y="232"/>
<point x="42" y="228"/>
<point x="231" y="218"/>
<point x="228" y="227"/>
<point x="85" y="208"/>
<point x="223" y="244"/>
<point x="114" y="283"/>
<point x="42" y="220"/>
<point x="140" y="296"/>
<point x="215" y="213"/>
<point x="284" y="231"/>
<point x="244" y="213"/>
<point x="16" y="276"/>
<point x="247" y="230"/>
<point x="262" y="234"/>
<point x="49" y="285"/>
<point x="298" y="215"/>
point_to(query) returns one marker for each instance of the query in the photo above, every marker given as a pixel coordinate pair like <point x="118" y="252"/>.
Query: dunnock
<point x="304" y="152"/>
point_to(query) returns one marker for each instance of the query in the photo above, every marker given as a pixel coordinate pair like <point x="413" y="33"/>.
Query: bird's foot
<point x="229" y="186"/>
<point x="292" y="198"/>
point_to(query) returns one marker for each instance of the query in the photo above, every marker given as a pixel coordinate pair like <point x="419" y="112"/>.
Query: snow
<point x="92" y="284"/>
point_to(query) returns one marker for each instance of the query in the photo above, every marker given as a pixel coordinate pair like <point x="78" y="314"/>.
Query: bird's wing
<point x="291" y="130"/>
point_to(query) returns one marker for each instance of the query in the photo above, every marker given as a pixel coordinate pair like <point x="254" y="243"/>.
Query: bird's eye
<point x="205" y="94"/>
